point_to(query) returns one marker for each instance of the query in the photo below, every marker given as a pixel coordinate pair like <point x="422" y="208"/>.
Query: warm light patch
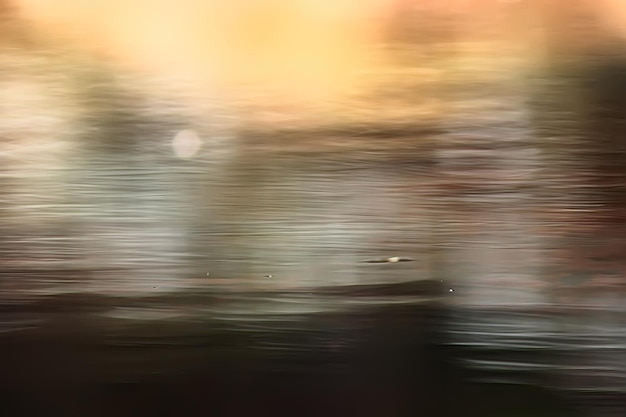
<point x="186" y="144"/>
<point x="304" y="48"/>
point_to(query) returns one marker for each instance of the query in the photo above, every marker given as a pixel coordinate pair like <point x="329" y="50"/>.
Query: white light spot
<point x="186" y="144"/>
<point x="393" y="259"/>
<point x="268" y="276"/>
<point x="450" y="290"/>
<point x="207" y="274"/>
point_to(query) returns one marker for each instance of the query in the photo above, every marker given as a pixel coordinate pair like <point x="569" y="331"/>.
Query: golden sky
<point x="303" y="46"/>
<point x="292" y="50"/>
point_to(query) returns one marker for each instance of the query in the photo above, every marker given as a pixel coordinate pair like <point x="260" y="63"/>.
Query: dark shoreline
<point x="393" y="360"/>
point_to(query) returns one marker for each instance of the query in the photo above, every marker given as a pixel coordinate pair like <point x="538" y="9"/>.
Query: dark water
<point x="232" y="283"/>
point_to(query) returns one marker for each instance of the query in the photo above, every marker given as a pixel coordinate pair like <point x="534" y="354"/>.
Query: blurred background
<point x="202" y="204"/>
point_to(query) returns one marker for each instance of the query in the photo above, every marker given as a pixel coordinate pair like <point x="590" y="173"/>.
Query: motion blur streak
<point x="366" y="208"/>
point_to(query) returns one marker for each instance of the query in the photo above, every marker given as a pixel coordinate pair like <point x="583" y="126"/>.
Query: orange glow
<point x="298" y="47"/>
<point x="613" y="13"/>
<point x="288" y="56"/>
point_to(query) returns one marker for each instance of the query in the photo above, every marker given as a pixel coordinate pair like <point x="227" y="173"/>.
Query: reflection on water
<point x="148" y="254"/>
